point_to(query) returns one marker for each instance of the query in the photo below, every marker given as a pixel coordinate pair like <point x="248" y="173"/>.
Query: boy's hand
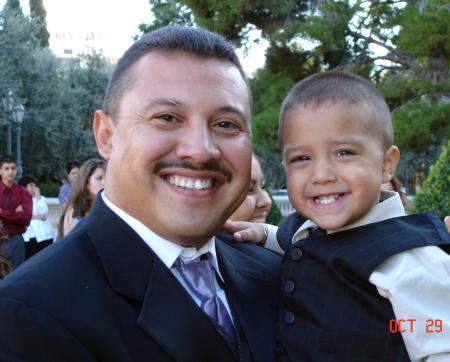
<point x="246" y="231"/>
<point x="447" y="223"/>
<point x="37" y="193"/>
<point x="19" y="208"/>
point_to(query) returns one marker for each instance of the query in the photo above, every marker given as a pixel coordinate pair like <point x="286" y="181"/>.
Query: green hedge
<point x="435" y="193"/>
<point x="49" y="189"/>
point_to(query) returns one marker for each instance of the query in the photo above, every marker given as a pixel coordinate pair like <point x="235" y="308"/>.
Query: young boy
<point x="361" y="281"/>
<point x="15" y="211"/>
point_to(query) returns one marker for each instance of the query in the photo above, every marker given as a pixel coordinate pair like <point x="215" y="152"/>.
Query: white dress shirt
<point x="39" y="229"/>
<point x="415" y="281"/>
<point x="169" y="251"/>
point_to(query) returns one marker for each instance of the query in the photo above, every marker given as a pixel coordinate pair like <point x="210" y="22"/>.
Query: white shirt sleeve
<point x="417" y="284"/>
<point x="272" y="242"/>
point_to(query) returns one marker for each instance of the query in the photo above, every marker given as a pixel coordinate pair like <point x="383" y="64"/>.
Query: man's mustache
<point x="207" y="166"/>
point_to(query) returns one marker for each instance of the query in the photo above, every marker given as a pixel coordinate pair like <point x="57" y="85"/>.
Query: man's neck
<point x="8" y="184"/>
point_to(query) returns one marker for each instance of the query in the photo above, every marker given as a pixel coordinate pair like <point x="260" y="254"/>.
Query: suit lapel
<point x="253" y="298"/>
<point x="168" y="314"/>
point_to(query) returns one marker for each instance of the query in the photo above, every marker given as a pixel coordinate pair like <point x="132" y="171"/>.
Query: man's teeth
<point x="324" y="200"/>
<point x="188" y="183"/>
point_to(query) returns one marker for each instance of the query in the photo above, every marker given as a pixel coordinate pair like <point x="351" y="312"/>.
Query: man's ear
<point x="390" y="162"/>
<point x="103" y="128"/>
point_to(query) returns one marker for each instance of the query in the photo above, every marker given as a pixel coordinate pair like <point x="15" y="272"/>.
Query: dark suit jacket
<point x="101" y="294"/>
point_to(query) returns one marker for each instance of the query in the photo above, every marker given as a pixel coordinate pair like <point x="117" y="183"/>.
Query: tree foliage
<point x="39" y="14"/>
<point x="59" y="97"/>
<point x="435" y="193"/>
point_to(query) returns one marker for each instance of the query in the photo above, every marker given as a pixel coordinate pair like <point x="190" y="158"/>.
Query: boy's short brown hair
<point x="339" y="87"/>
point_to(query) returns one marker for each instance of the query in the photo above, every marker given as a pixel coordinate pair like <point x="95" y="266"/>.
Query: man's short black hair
<point x="71" y="165"/>
<point x="170" y="39"/>
<point x="7" y="159"/>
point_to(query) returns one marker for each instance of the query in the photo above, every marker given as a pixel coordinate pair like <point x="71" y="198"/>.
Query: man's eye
<point x="167" y="117"/>
<point x="227" y="125"/>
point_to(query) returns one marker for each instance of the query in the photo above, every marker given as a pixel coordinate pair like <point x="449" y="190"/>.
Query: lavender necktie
<point x="200" y="279"/>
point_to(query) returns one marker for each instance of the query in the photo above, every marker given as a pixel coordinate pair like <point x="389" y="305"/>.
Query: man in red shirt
<point x="16" y="208"/>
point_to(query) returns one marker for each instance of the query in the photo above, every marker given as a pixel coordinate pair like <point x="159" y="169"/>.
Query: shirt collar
<point x="390" y="206"/>
<point x="166" y="250"/>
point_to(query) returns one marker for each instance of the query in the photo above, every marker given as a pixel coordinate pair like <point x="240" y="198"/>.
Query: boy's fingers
<point x="235" y="226"/>
<point x="447" y="223"/>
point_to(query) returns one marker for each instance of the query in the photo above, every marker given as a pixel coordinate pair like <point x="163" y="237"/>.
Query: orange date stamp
<point x="408" y="325"/>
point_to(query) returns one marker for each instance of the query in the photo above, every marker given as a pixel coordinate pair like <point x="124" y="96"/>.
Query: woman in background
<point x="89" y="182"/>
<point x="39" y="233"/>
<point x="257" y="204"/>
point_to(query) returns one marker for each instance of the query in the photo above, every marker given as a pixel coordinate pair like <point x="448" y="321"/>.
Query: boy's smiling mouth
<point x="327" y="199"/>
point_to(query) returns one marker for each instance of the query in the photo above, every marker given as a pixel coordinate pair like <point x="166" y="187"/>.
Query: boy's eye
<point x="344" y="153"/>
<point x="299" y="158"/>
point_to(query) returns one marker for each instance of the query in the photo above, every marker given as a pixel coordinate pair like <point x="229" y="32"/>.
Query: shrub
<point x="435" y="193"/>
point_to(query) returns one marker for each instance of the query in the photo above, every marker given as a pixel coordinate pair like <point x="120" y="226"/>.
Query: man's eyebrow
<point x="163" y="102"/>
<point x="231" y="109"/>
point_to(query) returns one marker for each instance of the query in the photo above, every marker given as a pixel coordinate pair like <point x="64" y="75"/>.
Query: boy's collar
<point x="390" y="206"/>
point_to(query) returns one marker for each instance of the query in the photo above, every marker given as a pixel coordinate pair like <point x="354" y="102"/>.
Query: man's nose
<point x="198" y="144"/>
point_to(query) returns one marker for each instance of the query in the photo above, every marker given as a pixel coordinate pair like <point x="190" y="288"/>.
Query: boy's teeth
<point x="324" y="200"/>
<point x="188" y="183"/>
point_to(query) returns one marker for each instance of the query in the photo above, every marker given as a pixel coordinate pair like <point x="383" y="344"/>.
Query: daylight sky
<point x="107" y="25"/>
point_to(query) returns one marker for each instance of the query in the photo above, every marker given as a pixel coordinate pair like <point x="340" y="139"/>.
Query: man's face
<point x="334" y="163"/>
<point x="179" y="151"/>
<point x="73" y="175"/>
<point x="8" y="171"/>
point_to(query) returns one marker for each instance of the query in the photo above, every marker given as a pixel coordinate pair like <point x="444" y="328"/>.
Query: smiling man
<point x="143" y="278"/>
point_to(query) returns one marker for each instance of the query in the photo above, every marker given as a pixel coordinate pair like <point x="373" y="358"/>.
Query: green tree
<point x="39" y="14"/>
<point x="59" y="97"/>
<point x="435" y="193"/>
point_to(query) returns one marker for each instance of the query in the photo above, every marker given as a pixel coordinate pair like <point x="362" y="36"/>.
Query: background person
<point x="15" y="211"/>
<point x="5" y="265"/>
<point x="257" y="203"/>
<point x="85" y="189"/>
<point x="73" y="169"/>
<point x="40" y="232"/>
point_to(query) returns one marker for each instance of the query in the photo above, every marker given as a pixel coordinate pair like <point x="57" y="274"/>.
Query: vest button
<point x="288" y="286"/>
<point x="296" y="254"/>
<point x="289" y="318"/>
<point x="279" y="349"/>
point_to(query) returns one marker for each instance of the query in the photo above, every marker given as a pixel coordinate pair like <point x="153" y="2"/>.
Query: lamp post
<point x="17" y="117"/>
<point x="8" y="103"/>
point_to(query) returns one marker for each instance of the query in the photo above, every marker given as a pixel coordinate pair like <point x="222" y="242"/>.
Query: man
<point x="176" y="132"/>
<point x="73" y="170"/>
<point x="15" y="211"/>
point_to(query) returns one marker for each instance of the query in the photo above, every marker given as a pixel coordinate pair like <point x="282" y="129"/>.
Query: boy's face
<point x="334" y="162"/>
<point x="8" y="172"/>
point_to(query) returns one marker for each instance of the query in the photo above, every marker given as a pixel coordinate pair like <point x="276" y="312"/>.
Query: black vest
<point x="329" y="311"/>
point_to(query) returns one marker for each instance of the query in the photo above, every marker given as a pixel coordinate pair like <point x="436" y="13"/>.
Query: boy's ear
<point x="103" y="128"/>
<point x="390" y="162"/>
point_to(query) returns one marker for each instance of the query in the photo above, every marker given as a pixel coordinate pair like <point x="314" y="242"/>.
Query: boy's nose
<point x="323" y="172"/>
